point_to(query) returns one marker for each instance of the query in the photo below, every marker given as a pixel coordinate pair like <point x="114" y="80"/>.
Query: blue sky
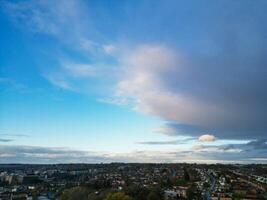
<point x="133" y="81"/>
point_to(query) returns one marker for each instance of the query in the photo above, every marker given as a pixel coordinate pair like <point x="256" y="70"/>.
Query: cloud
<point x="5" y="140"/>
<point x="214" y="81"/>
<point x="175" y="129"/>
<point x="169" y="142"/>
<point x="218" y="149"/>
<point x="79" y="70"/>
<point x="14" y="135"/>
<point x="5" y="137"/>
<point x="47" y="17"/>
<point x="36" y="154"/>
<point x="207" y="138"/>
<point x="241" y="152"/>
<point x="109" y="48"/>
<point x="235" y="153"/>
<point x="58" y="81"/>
<point x="258" y="144"/>
<point x="163" y="82"/>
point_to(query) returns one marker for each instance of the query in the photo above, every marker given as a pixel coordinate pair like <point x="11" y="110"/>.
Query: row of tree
<point x="130" y="193"/>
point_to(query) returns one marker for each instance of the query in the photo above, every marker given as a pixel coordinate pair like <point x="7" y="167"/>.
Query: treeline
<point x="129" y="193"/>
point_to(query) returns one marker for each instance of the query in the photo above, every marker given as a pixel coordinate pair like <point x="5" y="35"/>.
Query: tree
<point x="118" y="196"/>
<point x="75" y="193"/>
<point x="206" y="185"/>
<point x="193" y="193"/>
<point x="137" y="192"/>
<point x="153" y="196"/>
<point x="155" y="193"/>
<point x="186" y="175"/>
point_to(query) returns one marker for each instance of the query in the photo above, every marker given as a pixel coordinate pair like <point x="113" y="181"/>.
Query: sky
<point x="133" y="81"/>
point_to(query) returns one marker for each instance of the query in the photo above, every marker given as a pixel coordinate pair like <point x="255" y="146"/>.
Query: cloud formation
<point x="36" y="154"/>
<point x="217" y="84"/>
<point x="212" y="82"/>
<point x="235" y="153"/>
<point x="48" y="17"/>
<point x="5" y="140"/>
<point x="169" y="142"/>
<point x="160" y="82"/>
<point x="207" y="138"/>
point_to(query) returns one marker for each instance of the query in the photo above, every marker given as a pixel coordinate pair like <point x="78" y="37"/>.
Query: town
<point x="136" y="181"/>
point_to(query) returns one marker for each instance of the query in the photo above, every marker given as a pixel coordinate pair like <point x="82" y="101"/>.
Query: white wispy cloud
<point x="109" y="48"/>
<point x="79" y="70"/>
<point x="58" y="81"/>
<point x="57" y="18"/>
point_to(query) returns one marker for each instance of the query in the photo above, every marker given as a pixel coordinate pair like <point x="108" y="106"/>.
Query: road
<point x="209" y="191"/>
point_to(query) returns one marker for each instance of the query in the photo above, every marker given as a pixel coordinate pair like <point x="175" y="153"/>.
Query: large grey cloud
<point x="216" y="82"/>
<point x="221" y="94"/>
